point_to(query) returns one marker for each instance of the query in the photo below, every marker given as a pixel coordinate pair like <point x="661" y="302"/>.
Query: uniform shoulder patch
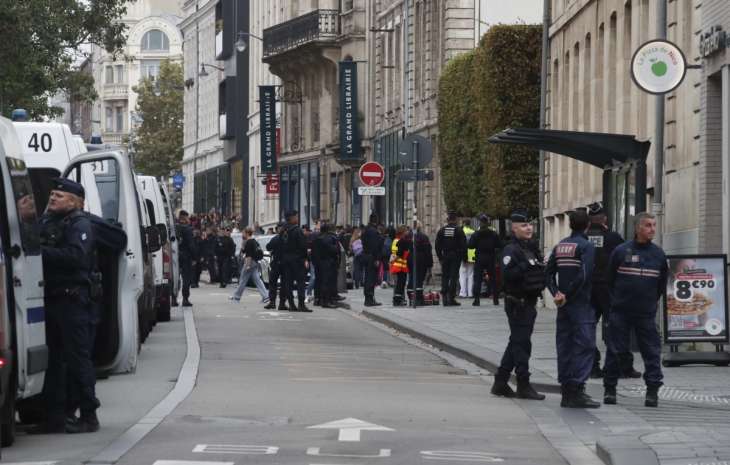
<point x="506" y="260"/>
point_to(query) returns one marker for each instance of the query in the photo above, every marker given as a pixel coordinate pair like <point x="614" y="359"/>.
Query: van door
<point x="117" y="334"/>
<point x="172" y="231"/>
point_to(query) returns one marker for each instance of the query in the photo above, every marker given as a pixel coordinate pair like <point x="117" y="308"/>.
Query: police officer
<point x="225" y="249"/>
<point x="637" y="277"/>
<point x="524" y="280"/>
<point x="605" y="241"/>
<point x="187" y="252"/>
<point x="294" y="260"/>
<point x="326" y="251"/>
<point x="69" y="259"/>
<point x="486" y="242"/>
<point x="276" y="270"/>
<point x="450" y="249"/>
<point x="569" y="280"/>
<point x="372" y="250"/>
<point x="420" y="266"/>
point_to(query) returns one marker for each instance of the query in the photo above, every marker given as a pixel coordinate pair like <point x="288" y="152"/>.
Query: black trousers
<point x="601" y="302"/>
<point x="294" y="271"/>
<point x="420" y="275"/>
<point x="480" y="266"/>
<point x="400" y="287"/>
<point x="521" y="317"/>
<point x="450" y="277"/>
<point x="224" y="268"/>
<point x="326" y="278"/>
<point x="212" y="265"/>
<point x="319" y="278"/>
<point x="196" y="271"/>
<point x="186" y="272"/>
<point x="275" y="272"/>
<point x="371" y="276"/>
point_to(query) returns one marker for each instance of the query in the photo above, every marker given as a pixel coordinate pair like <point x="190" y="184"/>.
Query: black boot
<point x="371" y="302"/>
<point x="631" y="373"/>
<point x="500" y="386"/>
<point x="329" y="304"/>
<point x="282" y="307"/>
<point x="88" y="423"/>
<point x="186" y="303"/>
<point x="476" y="302"/>
<point x="303" y="308"/>
<point x="292" y="305"/>
<point x="445" y="300"/>
<point x="609" y="395"/>
<point x="420" y="300"/>
<point x="652" y="396"/>
<point x="455" y="303"/>
<point x="495" y="301"/>
<point x="577" y="398"/>
<point x="526" y="391"/>
<point x="271" y="305"/>
<point x="565" y="395"/>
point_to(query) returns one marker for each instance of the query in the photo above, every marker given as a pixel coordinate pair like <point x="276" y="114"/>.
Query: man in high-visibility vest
<point x="399" y="268"/>
<point x="466" y="271"/>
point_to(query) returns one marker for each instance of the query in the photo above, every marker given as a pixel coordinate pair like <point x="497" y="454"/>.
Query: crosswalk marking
<point x="235" y="449"/>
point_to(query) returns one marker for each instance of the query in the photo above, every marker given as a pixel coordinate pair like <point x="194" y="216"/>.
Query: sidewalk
<point x="691" y="426"/>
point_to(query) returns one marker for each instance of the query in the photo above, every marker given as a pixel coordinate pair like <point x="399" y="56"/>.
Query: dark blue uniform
<point x="294" y="254"/>
<point x="486" y="244"/>
<point x="274" y="246"/>
<point x="569" y="271"/>
<point x="372" y="251"/>
<point x="69" y="258"/>
<point x="450" y="249"/>
<point x="187" y="251"/>
<point x="637" y="277"/>
<point x="326" y="252"/>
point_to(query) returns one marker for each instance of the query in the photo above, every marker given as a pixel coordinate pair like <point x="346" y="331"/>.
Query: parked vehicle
<point x="174" y="275"/>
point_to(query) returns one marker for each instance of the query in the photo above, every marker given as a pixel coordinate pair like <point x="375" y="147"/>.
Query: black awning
<point x="595" y="148"/>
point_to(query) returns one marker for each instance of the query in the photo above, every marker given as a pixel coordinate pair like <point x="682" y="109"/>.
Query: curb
<point x="625" y="450"/>
<point x="480" y="356"/>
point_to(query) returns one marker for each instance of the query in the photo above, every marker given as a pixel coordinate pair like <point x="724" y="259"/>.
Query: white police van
<point x="23" y="351"/>
<point x="174" y="245"/>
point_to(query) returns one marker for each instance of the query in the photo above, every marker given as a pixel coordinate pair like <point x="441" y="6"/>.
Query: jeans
<point x="312" y="277"/>
<point x="247" y="274"/>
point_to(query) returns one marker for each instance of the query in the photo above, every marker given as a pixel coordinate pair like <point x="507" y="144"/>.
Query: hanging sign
<point x="267" y="116"/>
<point x="695" y="307"/>
<point x="349" y="134"/>
<point x="272" y="184"/>
<point x="658" y="67"/>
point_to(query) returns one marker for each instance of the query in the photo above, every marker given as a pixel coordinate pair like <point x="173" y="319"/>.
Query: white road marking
<point x="460" y="456"/>
<point x="235" y="449"/>
<point x="189" y="462"/>
<point x="32" y="463"/>
<point x="316" y="452"/>
<point x="350" y="428"/>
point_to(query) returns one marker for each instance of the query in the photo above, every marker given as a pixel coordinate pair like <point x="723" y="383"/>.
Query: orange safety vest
<point x="398" y="264"/>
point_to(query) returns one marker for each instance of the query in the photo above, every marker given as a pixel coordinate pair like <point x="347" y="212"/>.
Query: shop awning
<point x="595" y="148"/>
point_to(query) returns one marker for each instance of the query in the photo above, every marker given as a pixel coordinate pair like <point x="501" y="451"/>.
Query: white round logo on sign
<point x="713" y="327"/>
<point x="658" y="67"/>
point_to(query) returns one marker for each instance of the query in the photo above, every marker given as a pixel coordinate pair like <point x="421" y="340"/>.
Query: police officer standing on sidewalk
<point x="605" y="241"/>
<point x="637" y="278"/>
<point x="69" y="259"/>
<point x="450" y="249"/>
<point x="372" y="250"/>
<point x="326" y="250"/>
<point x="276" y="270"/>
<point x="569" y="281"/>
<point x="294" y="260"/>
<point x="188" y="253"/>
<point x="487" y="244"/>
<point x="524" y="280"/>
<point x="225" y="250"/>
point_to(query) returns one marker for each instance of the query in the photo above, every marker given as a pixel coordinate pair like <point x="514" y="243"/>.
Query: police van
<point x="174" y="244"/>
<point x="23" y="351"/>
<point x="162" y="259"/>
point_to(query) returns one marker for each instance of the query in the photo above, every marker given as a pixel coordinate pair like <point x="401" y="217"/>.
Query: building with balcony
<point x="152" y="37"/>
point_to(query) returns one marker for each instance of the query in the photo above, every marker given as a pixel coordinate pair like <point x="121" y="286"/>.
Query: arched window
<point x="154" y="40"/>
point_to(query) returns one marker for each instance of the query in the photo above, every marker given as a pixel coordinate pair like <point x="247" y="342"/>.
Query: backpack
<point x="258" y="254"/>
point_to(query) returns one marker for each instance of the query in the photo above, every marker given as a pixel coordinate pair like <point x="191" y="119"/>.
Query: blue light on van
<point x="19" y="114"/>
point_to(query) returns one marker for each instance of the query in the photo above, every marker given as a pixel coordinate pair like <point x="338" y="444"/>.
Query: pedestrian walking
<point x="276" y="270"/>
<point x="188" y="253"/>
<point x="450" y="248"/>
<point x="251" y="269"/>
<point x="466" y="271"/>
<point x="326" y="252"/>
<point x="372" y="247"/>
<point x="69" y="261"/>
<point x="399" y="267"/>
<point x="605" y="241"/>
<point x="486" y="244"/>
<point x="294" y="260"/>
<point x="569" y="279"/>
<point x="225" y="249"/>
<point x="524" y="280"/>
<point x="637" y="278"/>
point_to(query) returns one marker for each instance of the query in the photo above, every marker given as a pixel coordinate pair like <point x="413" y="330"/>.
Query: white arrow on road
<point x="350" y="428"/>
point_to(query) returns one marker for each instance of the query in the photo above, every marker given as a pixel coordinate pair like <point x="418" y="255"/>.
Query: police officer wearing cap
<point x="188" y="252"/>
<point x="450" y="248"/>
<point x="569" y="280"/>
<point x="605" y="241"/>
<point x="294" y="260"/>
<point x="69" y="259"/>
<point x="487" y="244"/>
<point x="524" y="280"/>
<point x="276" y="271"/>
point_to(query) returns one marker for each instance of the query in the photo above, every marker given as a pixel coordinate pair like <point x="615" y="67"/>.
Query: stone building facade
<point x="590" y="89"/>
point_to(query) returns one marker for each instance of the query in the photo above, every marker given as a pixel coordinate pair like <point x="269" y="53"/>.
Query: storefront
<point x="300" y="188"/>
<point x="213" y="190"/>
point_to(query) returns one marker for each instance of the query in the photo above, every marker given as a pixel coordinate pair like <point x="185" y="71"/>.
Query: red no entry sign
<point x="372" y="174"/>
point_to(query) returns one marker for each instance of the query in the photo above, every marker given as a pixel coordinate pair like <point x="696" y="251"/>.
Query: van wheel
<point x="7" y="433"/>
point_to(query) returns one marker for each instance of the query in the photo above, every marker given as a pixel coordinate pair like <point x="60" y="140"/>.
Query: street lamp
<point x="204" y="73"/>
<point x="242" y="43"/>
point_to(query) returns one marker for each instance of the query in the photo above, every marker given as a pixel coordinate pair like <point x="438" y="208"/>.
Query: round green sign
<point x="658" y="67"/>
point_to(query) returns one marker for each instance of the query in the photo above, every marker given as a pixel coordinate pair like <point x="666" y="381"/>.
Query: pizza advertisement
<point x="695" y="304"/>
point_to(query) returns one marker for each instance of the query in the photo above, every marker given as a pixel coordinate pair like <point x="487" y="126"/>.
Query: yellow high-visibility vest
<point x="471" y="254"/>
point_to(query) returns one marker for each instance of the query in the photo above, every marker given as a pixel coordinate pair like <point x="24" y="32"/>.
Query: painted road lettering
<point x="316" y="451"/>
<point x="460" y="456"/>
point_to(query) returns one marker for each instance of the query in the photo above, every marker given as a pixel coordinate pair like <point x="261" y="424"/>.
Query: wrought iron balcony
<point x="318" y="25"/>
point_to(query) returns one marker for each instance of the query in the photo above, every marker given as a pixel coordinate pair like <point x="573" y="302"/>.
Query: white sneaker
<point x="309" y="299"/>
<point x="233" y="298"/>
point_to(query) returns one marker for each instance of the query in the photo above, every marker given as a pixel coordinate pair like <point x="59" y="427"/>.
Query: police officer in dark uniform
<point x="225" y="249"/>
<point x="569" y="280"/>
<point x="69" y="260"/>
<point x="486" y="243"/>
<point x="417" y="268"/>
<point x="188" y="252"/>
<point x="637" y="278"/>
<point x="372" y="250"/>
<point x="294" y="260"/>
<point x="605" y="241"/>
<point x="326" y="252"/>
<point x="276" y="271"/>
<point x="450" y="248"/>
<point x="523" y="274"/>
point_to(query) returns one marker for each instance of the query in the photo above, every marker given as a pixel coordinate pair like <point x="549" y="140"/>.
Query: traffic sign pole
<point x="415" y="223"/>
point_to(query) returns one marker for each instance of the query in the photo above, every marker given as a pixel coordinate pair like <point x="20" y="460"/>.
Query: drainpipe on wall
<point x="658" y="205"/>
<point x="197" y="101"/>
<point x="543" y="104"/>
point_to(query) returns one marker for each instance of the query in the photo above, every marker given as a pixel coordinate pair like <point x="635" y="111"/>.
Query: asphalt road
<point x="266" y="378"/>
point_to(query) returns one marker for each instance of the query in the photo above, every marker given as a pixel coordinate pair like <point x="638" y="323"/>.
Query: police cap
<point x="290" y="213"/>
<point x="66" y="185"/>
<point x="483" y="218"/>
<point x="596" y="208"/>
<point x="519" y="215"/>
